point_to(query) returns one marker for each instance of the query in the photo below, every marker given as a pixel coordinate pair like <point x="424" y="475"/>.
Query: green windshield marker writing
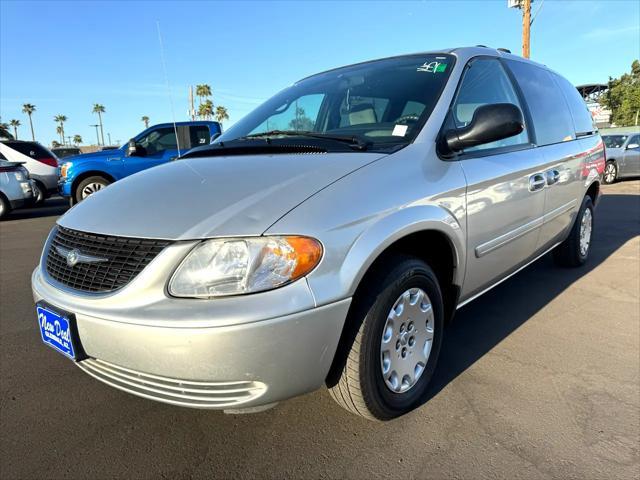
<point x="441" y="68"/>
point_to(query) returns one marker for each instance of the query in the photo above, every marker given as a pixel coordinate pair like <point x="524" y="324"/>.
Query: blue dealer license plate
<point x="56" y="329"/>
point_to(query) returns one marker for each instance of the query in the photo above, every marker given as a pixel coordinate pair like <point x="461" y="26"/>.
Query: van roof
<point x="465" y="53"/>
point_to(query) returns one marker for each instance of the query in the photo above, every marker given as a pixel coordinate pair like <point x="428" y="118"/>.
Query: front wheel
<point x="89" y="186"/>
<point x="393" y="337"/>
<point x="5" y="207"/>
<point x="574" y="251"/>
<point x="610" y="173"/>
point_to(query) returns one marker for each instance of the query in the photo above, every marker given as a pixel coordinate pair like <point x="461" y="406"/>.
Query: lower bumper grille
<point x="186" y="393"/>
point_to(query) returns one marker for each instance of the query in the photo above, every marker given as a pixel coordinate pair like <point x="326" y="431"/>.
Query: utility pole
<point x="526" y="28"/>
<point x="527" y="21"/>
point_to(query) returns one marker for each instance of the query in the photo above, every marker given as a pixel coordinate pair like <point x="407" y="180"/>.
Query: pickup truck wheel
<point x="574" y="251"/>
<point x="89" y="186"/>
<point x="396" y="326"/>
<point x="610" y="172"/>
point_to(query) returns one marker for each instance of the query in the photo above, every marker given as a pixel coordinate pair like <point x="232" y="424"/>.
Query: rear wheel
<point x="610" y="172"/>
<point x="89" y="186"/>
<point x="574" y="251"/>
<point x="392" y="341"/>
<point x="38" y="193"/>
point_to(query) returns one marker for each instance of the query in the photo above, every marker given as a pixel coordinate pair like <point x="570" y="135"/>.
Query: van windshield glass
<point x="383" y="103"/>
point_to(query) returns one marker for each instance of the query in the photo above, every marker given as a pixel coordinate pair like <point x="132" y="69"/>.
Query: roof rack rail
<point x="505" y="50"/>
<point x="483" y="46"/>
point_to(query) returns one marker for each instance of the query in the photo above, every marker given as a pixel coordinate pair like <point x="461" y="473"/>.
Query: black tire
<point x="5" y="207"/>
<point x="39" y="193"/>
<point x="568" y="253"/>
<point x="610" y="174"/>
<point x="94" y="180"/>
<point x="358" y="384"/>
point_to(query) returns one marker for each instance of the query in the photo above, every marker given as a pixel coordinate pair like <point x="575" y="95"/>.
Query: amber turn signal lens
<point x="308" y="253"/>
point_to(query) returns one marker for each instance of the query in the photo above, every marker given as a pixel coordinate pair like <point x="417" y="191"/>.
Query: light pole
<point x="97" y="135"/>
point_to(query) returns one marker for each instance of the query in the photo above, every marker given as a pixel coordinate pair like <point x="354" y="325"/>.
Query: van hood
<point x="212" y="196"/>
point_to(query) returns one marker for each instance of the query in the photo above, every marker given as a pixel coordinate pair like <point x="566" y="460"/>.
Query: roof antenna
<point x="166" y="79"/>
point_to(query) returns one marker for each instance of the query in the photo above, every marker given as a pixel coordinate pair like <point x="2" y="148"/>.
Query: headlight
<point x="234" y="266"/>
<point x="63" y="170"/>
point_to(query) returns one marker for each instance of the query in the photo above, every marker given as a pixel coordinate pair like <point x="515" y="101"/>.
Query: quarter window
<point x="582" y="119"/>
<point x="551" y="118"/>
<point x="485" y="82"/>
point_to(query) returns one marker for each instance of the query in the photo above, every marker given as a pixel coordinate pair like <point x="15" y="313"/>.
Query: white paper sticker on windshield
<point x="399" y="130"/>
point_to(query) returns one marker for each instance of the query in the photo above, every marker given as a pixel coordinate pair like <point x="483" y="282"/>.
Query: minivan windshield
<point x="383" y="103"/>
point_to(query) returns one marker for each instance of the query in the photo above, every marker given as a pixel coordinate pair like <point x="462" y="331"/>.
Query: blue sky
<point x="65" y="56"/>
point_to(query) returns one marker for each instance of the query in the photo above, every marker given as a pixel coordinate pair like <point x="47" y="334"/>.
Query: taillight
<point x="9" y="169"/>
<point x="52" y="162"/>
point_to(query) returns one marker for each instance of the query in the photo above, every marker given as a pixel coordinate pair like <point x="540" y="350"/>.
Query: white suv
<point x="38" y="160"/>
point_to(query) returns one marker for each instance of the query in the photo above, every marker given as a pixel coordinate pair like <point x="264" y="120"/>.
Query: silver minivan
<point x="327" y="237"/>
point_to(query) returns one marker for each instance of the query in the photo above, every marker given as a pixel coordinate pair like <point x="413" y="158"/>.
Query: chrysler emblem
<point x="73" y="256"/>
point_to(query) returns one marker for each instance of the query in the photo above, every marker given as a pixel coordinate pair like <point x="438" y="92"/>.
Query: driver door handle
<point x="537" y="181"/>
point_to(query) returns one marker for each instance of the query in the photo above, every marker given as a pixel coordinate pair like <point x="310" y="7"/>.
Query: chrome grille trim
<point x="186" y="393"/>
<point x="126" y="258"/>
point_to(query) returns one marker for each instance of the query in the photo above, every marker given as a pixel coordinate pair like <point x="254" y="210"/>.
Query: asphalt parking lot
<point x="540" y="378"/>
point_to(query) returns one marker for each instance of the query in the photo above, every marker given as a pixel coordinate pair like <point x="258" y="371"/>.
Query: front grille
<point x="125" y="258"/>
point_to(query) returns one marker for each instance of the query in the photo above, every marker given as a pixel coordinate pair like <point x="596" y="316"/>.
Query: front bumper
<point x="64" y="188"/>
<point x="203" y="358"/>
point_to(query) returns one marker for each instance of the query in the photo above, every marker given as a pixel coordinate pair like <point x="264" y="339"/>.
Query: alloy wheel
<point x="91" y="188"/>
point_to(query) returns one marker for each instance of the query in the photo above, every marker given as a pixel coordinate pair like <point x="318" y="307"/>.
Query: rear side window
<point x="199" y="135"/>
<point x="582" y="118"/>
<point x="30" y="149"/>
<point x="551" y="118"/>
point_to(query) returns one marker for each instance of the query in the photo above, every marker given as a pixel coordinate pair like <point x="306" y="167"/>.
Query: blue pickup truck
<point x="82" y="175"/>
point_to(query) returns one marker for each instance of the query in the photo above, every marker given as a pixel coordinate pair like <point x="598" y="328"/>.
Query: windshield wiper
<point x="354" y="141"/>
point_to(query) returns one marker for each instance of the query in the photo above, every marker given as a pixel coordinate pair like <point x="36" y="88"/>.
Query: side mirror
<point x="132" y="148"/>
<point x="632" y="146"/>
<point x="489" y="123"/>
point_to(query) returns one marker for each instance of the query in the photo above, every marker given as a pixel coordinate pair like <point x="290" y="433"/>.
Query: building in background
<point x="592" y="93"/>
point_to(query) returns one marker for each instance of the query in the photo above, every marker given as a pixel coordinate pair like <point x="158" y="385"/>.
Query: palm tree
<point x="221" y="114"/>
<point x="77" y="139"/>
<point x="99" y="109"/>
<point x="28" y="108"/>
<point x="203" y="91"/>
<point x="205" y="110"/>
<point x="4" y="131"/>
<point x="61" y="119"/>
<point x="59" y="131"/>
<point x="145" y="119"/>
<point x="55" y="144"/>
<point x="15" y="124"/>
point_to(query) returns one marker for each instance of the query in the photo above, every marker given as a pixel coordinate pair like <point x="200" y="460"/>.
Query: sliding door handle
<point x="552" y="176"/>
